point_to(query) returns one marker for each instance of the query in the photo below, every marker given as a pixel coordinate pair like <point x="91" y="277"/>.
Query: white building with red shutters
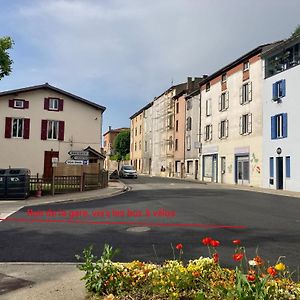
<point x="41" y="122"/>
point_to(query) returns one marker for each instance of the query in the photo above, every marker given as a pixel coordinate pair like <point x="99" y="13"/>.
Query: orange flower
<point x="179" y="246"/>
<point x="206" y="241"/>
<point x="250" y="277"/>
<point x="259" y="261"/>
<point x="272" y="271"/>
<point x="196" y="274"/>
<point x="214" y="243"/>
<point x="236" y="242"/>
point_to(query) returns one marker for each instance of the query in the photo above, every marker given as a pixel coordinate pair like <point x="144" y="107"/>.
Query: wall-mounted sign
<point x="79" y="153"/>
<point x="54" y="162"/>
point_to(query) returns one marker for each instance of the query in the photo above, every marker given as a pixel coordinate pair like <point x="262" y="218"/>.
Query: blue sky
<point x="123" y="53"/>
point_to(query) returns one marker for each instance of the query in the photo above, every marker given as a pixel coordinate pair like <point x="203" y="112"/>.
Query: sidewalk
<point x="8" y="207"/>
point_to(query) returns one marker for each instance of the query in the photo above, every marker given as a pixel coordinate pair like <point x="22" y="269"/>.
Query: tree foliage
<point x="6" y="43"/>
<point x="122" y="144"/>
<point x="296" y="31"/>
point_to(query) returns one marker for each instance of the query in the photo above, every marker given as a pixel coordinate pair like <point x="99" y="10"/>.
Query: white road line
<point x="4" y="215"/>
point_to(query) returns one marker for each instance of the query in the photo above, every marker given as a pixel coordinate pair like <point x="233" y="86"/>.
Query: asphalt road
<point x="190" y="211"/>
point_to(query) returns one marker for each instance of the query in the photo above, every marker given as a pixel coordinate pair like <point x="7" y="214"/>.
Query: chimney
<point x="109" y="128"/>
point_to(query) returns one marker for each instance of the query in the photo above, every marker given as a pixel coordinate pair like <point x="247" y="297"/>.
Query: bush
<point x="202" y="278"/>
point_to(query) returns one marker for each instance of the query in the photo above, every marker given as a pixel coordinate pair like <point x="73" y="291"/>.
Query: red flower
<point x="238" y="256"/>
<point x="236" y="242"/>
<point x="250" y="277"/>
<point x="206" y="241"/>
<point x="179" y="246"/>
<point x="271" y="271"/>
<point x="216" y="258"/>
<point x="214" y="243"/>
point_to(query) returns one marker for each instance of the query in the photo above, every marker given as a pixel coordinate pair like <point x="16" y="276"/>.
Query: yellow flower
<point x="280" y="267"/>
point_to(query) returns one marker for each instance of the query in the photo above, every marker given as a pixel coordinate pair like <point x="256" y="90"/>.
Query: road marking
<point x="5" y="215"/>
<point x="138" y="229"/>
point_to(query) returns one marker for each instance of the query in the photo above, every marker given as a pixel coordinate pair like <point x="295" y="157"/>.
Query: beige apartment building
<point x="42" y="122"/>
<point x="231" y="122"/>
<point x="136" y="140"/>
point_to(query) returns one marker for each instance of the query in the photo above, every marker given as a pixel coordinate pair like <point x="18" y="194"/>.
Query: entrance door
<point x="48" y="162"/>
<point x="215" y="168"/>
<point x="242" y="170"/>
<point x="223" y="168"/>
<point x="279" y="173"/>
<point x="196" y="169"/>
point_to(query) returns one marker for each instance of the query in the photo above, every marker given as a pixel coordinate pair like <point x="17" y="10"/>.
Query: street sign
<point x="76" y="162"/>
<point x="54" y="162"/>
<point x="77" y="157"/>
<point x="79" y="153"/>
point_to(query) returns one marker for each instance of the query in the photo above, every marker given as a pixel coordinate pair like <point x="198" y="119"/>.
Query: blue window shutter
<point x="273" y="128"/>
<point x="288" y="166"/>
<point x="284" y="125"/>
<point x="271" y="167"/>
<point x="275" y="96"/>
<point x="283" y="87"/>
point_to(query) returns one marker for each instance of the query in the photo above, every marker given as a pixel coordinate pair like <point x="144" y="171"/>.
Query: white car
<point x="128" y="171"/>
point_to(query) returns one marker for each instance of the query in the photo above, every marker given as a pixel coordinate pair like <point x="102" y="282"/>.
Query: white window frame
<point x="224" y="101"/>
<point x="246" y="66"/>
<point x="208" y="107"/>
<point x="246" y="93"/>
<point x="188" y="143"/>
<point x="246" y="124"/>
<point x="19" y="133"/>
<point x="223" y="129"/>
<point x="52" y="105"/>
<point x="208" y="132"/>
<point x="279" y="126"/>
<point x="17" y="102"/>
<point x="54" y="130"/>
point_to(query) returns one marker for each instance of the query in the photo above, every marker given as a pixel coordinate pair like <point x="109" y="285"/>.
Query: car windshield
<point x="128" y="168"/>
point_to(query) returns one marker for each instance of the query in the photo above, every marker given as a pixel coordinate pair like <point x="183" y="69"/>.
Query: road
<point x="190" y="211"/>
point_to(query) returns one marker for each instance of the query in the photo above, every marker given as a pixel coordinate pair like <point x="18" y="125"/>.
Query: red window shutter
<point x="11" y="103"/>
<point x="26" y="128"/>
<point x="26" y="104"/>
<point x="46" y="103"/>
<point x="44" y="130"/>
<point x="60" y="104"/>
<point x="61" y="131"/>
<point x="8" y="128"/>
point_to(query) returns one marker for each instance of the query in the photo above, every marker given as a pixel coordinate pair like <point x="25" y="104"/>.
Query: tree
<point x="6" y="43"/>
<point x="296" y="31"/>
<point x="122" y="144"/>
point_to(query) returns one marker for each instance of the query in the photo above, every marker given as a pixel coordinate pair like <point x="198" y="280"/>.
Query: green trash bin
<point x="17" y="183"/>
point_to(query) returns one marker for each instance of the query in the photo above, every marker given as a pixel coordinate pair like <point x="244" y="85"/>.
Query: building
<point x="281" y="157"/>
<point x="147" y="139"/>
<point x="41" y="122"/>
<point x="231" y="121"/>
<point x="108" y="143"/>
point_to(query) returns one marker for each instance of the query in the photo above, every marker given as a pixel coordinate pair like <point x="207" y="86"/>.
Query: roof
<point x="141" y="110"/>
<point x="53" y="88"/>
<point x="95" y="153"/>
<point x="192" y="94"/>
<point x="116" y="130"/>
<point x="244" y="57"/>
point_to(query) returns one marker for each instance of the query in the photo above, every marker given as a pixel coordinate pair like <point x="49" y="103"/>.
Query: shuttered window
<point x="53" y="104"/>
<point x="52" y="130"/>
<point x="17" y="128"/>
<point x="279" y="126"/>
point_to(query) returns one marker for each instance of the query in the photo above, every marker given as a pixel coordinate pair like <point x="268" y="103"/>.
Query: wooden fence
<point x="68" y="184"/>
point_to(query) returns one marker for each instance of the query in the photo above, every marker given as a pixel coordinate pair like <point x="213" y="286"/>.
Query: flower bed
<point x="202" y="278"/>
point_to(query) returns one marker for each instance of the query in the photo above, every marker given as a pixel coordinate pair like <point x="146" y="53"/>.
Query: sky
<point x="123" y="53"/>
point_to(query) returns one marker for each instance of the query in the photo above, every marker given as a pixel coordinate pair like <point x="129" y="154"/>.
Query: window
<point x="279" y="90"/>
<point x="52" y="132"/>
<point x="176" y="126"/>
<point x="271" y="167"/>
<point x="189" y="123"/>
<point x="246" y="66"/>
<point x="54" y="104"/>
<point x="188" y="143"/>
<point x="189" y="167"/>
<point x="189" y="104"/>
<point x="208" y="107"/>
<point x="140" y="129"/>
<point x="17" y="128"/>
<point x="224" y="77"/>
<point x="224" y="101"/>
<point x="170" y="122"/>
<point x="170" y="143"/>
<point x="135" y="148"/>
<point x="208" y="132"/>
<point x="279" y="126"/>
<point x="207" y="87"/>
<point x="287" y="166"/>
<point x="176" y="144"/>
<point x="135" y="131"/>
<point x="18" y="103"/>
<point x="146" y="146"/>
<point x="223" y="129"/>
<point x="177" y="107"/>
<point x="140" y="145"/>
<point x="246" y="124"/>
<point x="246" y="93"/>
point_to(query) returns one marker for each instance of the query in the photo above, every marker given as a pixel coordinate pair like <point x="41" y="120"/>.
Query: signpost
<point x="76" y="162"/>
<point x="78" y="153"/>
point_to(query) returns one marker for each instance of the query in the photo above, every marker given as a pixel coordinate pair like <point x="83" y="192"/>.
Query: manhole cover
<point x="138" y="229"/>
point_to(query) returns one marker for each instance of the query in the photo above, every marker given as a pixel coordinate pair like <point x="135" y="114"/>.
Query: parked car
<point x="128" y="171"/>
